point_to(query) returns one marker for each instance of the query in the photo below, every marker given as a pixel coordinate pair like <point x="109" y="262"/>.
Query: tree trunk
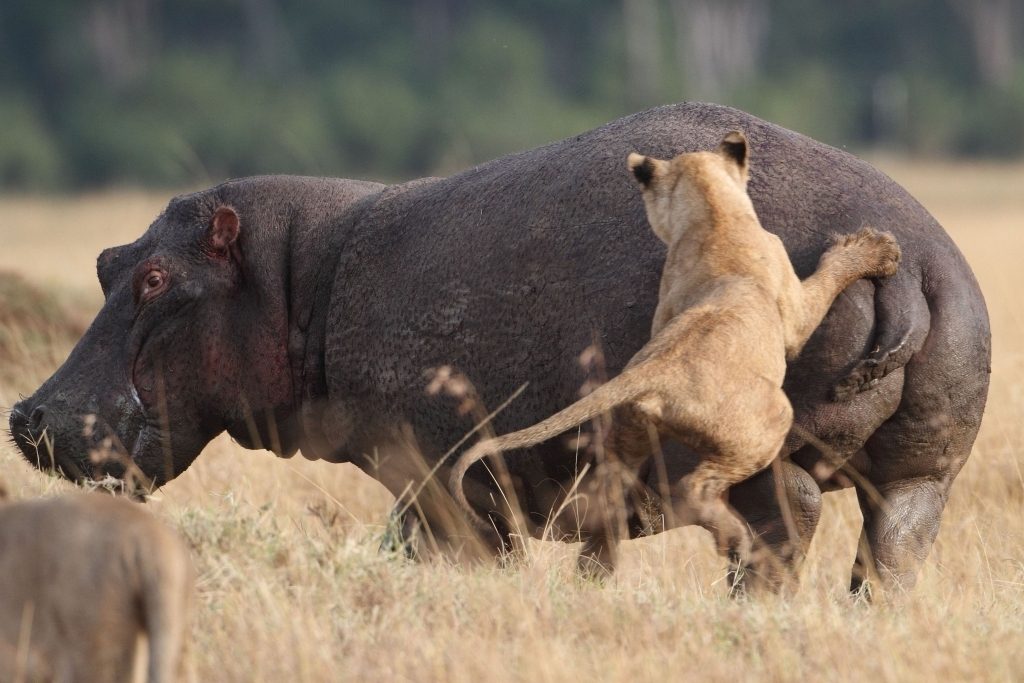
<point x="643" y="58"/>
<point x="718" y="43"/>
<point x="120" y="35"/>
<point x="991" y="23"/>
<point x="267" y="45"/>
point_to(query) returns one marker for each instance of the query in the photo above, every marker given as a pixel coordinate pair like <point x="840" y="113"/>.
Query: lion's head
<point x="692" y="187"/>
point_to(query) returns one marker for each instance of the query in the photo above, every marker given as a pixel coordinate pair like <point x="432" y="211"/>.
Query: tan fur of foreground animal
<point x="731" y="310"/>
<point x="82" y="576"/>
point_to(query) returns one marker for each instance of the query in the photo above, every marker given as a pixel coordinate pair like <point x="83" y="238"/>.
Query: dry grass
<point x="292" y="588"/>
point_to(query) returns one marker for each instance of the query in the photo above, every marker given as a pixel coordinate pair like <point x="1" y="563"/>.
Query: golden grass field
<point x="291" y="587"/>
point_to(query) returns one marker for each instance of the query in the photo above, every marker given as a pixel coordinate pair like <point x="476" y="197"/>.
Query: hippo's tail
<point x="617" y="391"/>
<point x="900" y="331"/>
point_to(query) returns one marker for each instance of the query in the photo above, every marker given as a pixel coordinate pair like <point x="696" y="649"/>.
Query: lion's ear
<point x="645" y="169"/>
<point x="734" y="148"/>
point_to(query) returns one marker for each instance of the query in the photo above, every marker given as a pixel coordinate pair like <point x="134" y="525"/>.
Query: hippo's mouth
<point x="36" y="445"/>
<point x="40" y="450"/>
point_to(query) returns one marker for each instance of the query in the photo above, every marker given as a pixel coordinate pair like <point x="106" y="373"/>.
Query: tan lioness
<point x="731" y="311"/>
<point x="82" y="576"/>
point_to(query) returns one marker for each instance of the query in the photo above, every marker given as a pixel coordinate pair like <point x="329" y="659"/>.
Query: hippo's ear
<point x="223" y="231"/>
<point x="646" y="170"/>
<point x="734" y="148"/>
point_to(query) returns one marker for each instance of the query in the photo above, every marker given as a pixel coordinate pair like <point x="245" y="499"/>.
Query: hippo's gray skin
<point x="338" y="296"/>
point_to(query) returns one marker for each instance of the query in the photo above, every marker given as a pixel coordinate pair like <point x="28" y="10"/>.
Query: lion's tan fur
<point x="82" y="577"/>
<point x="731" y="310"/>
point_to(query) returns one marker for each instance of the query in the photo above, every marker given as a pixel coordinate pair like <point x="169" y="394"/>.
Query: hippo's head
<point x="191" y="340"/>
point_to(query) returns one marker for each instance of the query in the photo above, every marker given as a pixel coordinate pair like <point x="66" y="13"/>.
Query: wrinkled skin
<point x="318" y="328"/>
<point x="159" y="378"/>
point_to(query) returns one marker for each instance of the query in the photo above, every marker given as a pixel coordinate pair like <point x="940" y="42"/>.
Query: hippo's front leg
<point x="416" y="534"/>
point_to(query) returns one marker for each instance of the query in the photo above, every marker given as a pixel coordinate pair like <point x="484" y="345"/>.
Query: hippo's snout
<point x="51" y="436"/>
<point x="33" y="436"/>
<point x="26" y="420"/>
<point x="19" y="422"/>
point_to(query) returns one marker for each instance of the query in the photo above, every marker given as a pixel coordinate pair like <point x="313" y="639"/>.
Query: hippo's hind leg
<point x="900" y="526"/>
<point x="917" y="453"/>
<point x="911" y="472"/>
<point x="612" y="490"/>
<point x="780" y="543"/>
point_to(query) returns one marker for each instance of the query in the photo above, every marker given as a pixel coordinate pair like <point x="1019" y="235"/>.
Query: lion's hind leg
<point x="734" y="451"/>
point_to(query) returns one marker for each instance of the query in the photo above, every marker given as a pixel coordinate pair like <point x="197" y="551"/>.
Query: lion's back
<point x="79" y="572"/>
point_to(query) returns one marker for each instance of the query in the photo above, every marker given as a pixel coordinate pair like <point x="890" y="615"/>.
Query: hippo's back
<point x="509" y="270"/>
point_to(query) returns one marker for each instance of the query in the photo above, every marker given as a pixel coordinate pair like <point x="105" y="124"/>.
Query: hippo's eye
<point x="152" y="284"/>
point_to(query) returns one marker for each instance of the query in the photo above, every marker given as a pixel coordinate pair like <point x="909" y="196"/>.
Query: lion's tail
<point x="619" y="390"/>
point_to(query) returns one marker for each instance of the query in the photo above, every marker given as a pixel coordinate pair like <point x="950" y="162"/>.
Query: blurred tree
<point x="268" y="47"/>
<point x="643" y="59"/>
<point x="432" y="22"/>
<point x="120" y="35"/>
<point x="720" y="42"/>
<point x="992" y="35"/>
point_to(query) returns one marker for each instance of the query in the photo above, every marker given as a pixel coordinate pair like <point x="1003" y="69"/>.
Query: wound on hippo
<point x="224" y="228"/>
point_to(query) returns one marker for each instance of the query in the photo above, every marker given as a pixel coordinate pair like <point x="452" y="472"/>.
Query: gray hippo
<point x="301" y="313"/>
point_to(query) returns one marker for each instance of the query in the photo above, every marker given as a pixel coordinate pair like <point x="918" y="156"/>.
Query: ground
<point x="291" y="586"/>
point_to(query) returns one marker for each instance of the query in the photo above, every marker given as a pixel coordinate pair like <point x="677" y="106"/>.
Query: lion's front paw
<point x="877" y="252"/>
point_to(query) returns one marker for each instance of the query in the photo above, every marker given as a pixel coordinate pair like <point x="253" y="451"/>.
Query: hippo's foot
<point x="596" y="561"/>
<point x="402" y="534"/>
<point x="861" y="590"/>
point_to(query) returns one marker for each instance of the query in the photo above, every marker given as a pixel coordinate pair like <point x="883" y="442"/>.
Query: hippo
<point x="386" y="325"/>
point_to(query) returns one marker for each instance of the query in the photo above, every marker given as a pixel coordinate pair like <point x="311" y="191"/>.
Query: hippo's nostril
<point x="18" y="422"/>
<point x="36" y="418"/>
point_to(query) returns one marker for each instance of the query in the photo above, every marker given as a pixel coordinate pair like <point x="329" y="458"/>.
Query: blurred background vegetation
<point x="183" y="92"/>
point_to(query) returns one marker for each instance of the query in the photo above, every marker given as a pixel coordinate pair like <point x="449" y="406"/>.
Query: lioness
<point x="81" y="577"/>
<point x="731" y="311"/>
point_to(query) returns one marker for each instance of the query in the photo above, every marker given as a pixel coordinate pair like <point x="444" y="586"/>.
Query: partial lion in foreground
<point x="731" y="311"/>
<point x="82" y="576"/>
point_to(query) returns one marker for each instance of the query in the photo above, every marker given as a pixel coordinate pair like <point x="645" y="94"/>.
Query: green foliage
<point x="29" y="154"/>
<point x="497" y="98"/>
<point x="937" y="112"/>
<point x="808" y="99"/>
<point x="130" y="91"/>
<point x="360" y="104"/>
<point x="993" y="123"/>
